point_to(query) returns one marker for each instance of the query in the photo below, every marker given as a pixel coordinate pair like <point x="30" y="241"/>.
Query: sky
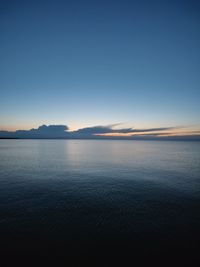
<point x="99" y="63"/>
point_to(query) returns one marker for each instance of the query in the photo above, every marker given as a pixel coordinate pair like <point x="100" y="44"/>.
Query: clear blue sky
<point x="99" y="62"/>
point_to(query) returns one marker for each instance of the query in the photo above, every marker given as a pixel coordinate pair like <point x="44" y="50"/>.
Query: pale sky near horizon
<point x="86" y="63"/>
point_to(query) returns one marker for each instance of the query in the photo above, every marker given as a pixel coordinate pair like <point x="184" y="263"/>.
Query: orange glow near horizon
<point x="14" y="128"/>
<point x="158" y="133"/>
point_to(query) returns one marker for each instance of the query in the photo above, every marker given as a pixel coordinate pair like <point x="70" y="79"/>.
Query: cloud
<point x="44" y="131"/>
<point x="53" y="128"/>
<point x="102" y="130"/>
<point x="98" y="132"/>
<point x="109" y="129"/>
<point x="153" y="129"/>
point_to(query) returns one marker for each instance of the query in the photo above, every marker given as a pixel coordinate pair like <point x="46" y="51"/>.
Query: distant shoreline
<point x="101" y="139"/>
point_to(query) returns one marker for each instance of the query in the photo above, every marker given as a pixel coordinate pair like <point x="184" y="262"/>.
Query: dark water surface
<point x="100" y="200"/>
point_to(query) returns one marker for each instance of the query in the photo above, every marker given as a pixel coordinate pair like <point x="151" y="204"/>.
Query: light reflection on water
<point x="174" y="163"/>
<point x="98" y="190"/>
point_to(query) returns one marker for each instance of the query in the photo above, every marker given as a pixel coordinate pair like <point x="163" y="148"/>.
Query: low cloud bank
<point x="44" y="131"/>
<point x="97" y="132"/>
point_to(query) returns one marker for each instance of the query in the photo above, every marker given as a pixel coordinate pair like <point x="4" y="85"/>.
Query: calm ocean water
<point x="84" y="198"/>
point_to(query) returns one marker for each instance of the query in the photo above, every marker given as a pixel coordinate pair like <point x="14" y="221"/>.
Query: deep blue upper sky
<point x="99" y="62"/>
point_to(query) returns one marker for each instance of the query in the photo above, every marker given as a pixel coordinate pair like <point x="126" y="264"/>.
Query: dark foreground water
<point x="100" y="201"/>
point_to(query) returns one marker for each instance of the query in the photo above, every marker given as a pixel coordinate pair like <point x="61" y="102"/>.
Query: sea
<point x="100" y="201"/>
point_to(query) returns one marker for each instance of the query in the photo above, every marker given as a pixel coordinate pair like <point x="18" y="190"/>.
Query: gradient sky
<point x="84" y="63"/>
